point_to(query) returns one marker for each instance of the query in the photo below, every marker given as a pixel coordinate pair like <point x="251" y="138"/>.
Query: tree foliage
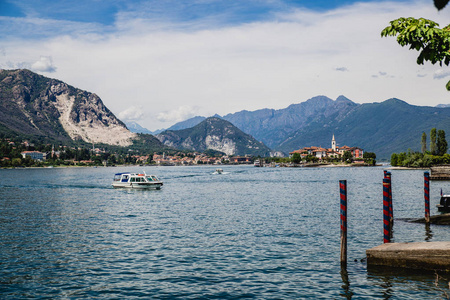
<point x="394" y="159"/>
<point x="433" y="146"/>
<point x="370" y="158"/>
<point x="441" y="143"/>
<point x="437" y="155"/>
<point x="347" y="156"/>
<point x="422" y="35"/>
<point x="440" y="4"/>
<point x="424" y="142"/>
<point x="296" y="158"/>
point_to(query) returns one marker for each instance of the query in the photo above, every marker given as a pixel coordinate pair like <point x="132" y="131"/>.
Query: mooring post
<point x="391" y="209"/>
<point x="386" y="221"/>
<point x="426" y="193"/>
<point x="343" y="192"/>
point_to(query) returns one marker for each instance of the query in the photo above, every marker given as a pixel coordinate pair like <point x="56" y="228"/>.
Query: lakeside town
<point x="24" y="153"/>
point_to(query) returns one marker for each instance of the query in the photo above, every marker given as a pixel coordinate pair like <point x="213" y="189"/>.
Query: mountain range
<point x="34" y="106"/>
<point x="390" y="126"/>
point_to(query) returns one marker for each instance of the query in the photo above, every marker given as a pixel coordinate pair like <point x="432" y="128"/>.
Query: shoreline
<point x="202" y="165"/>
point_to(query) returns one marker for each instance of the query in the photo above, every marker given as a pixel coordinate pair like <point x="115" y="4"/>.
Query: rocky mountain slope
<point x="34" y="105"/>
<point x="216" y="134"/>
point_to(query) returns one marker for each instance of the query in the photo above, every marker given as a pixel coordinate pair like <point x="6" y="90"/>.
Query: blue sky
<point x="159" y="62"/>
<point x="104" y="11"/>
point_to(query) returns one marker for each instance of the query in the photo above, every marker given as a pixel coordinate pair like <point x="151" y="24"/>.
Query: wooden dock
<point x="441" y="172"/>
<point x="420" y="255"/>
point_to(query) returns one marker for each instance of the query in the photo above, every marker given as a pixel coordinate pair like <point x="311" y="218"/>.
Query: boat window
<point x="133" y="179"/>
<point x="149" y="178"/>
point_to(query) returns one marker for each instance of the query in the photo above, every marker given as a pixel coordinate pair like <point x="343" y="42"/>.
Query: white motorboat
<point x="219" y="171"/>
<point x="136" y="181"/>
<point x="258" y="163"/>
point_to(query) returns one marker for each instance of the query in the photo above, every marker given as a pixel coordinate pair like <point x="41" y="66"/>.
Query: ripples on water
<point x="258" y="233"/>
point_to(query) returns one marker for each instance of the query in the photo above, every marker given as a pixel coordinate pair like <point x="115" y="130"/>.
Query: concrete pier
<point x="421" y="255"/>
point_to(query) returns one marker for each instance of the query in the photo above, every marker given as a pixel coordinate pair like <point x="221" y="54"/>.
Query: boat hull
<point x="138" y="185"/>
<point x="444" y="204"/>
<point x="443" y="208"/>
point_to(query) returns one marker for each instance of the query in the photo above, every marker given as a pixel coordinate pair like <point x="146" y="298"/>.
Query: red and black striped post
<point x="343" y="192"/>
<point x="391" y="209"/>
<point x="386" y="221"/>
<point x="426" y="191"/>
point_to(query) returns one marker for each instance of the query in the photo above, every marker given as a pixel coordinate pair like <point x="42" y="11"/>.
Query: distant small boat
<point x="219" y="171"/>
<point x="444" y="204"/>
<point x="258" y="163"/>
<point x="136" y="181"/>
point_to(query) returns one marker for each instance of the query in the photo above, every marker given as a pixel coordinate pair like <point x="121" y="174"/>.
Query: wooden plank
<point x="441" y="172"/>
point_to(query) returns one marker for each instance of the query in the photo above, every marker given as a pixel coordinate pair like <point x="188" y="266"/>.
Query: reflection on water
<point x="428" y="233"/>
<point x="346" y="293"/>
<point x="259" y="233"/>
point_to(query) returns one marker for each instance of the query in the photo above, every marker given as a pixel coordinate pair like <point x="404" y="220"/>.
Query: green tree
<point x="440" y="4"/>
<point x="369" y="158"/>
<point x="441" y="143"/>
<point x="424" y="142"/>
<point x="311" y="158"/>
<point x="394" y="159"/>
<point x="347" y="156"/>
<point x="401" y="158"/>
<point x="433" y="148"/>
<point x="422" y="35"/>
<point x="296" y="158"/>
<point x="16" y="162"/>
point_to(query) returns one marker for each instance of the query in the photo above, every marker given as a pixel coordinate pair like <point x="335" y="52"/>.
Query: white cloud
<point x="44" y="64"/>
<point x="440" y="74"/>
<point x="157" y="67"/>
<point x="132" y="113"/>
<point x="181" y="113"/>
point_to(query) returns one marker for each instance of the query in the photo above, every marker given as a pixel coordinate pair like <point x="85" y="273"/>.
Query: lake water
<point x="250" y="233"/>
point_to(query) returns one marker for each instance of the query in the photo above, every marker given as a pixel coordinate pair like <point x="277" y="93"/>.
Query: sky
<point x="159" y="62"/>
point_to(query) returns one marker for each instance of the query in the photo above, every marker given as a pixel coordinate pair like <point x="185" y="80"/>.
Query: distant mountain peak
<point x="135" y="127"/>
<point x="342" y="98"/>
<point x="396" y="101"/>
<point x="216" y="134"/>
